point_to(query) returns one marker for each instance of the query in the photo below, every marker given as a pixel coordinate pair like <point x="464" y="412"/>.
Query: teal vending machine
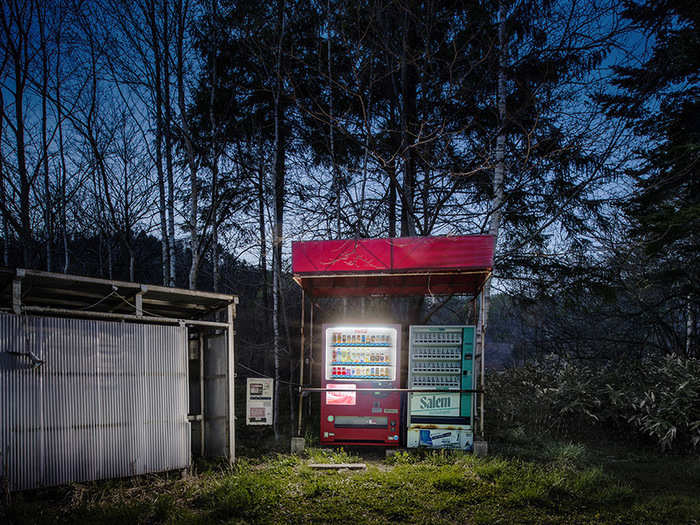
<point x="441" y="361"/>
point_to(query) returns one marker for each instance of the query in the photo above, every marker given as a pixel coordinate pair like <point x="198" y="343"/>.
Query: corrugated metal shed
<point x="84" y="397"/>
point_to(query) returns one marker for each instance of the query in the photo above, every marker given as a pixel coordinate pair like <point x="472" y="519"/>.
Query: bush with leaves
<point x="656" y="398"/>
<point x="669" y="411"/>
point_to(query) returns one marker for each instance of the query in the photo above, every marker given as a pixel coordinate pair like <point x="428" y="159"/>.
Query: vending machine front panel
<point x="359" y="357"/>
<point x="441" y="361"/>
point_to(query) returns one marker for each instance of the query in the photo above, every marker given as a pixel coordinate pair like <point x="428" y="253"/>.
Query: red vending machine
<point x="356" y="357"/>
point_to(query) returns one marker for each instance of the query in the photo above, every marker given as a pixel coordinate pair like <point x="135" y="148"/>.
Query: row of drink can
<point x="436" y="381"/>
<point x="339" y="337"/>
<point x="439" y="366"/>
<point x="437" y="353"/>
<point x="354" y="355"/>
<point x="437" y="337"/>
<point x="366" y="371"/>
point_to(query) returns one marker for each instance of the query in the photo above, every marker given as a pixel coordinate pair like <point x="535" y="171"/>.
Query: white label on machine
<point x="435" y="404"/>
<point x="341" y="398"/>
<point x="259" y="401"/>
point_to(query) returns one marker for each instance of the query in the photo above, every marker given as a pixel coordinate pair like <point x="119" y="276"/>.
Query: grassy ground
<point x="521" y="483"/>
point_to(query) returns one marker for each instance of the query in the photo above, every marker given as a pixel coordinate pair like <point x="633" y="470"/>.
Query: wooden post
<point x="301" y="365"/>
<point x="139" y="303"/>
<point x="231" y="310"/>
<point x="17" y="292"/>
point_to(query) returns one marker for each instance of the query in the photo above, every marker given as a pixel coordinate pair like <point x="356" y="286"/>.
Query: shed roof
<point x="393" y="266"/>
<point x="78" y="293"/>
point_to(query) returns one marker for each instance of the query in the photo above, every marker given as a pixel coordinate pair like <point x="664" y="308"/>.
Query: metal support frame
<point x="119" y="317"/>
<point x="201" y="392"/>
<point x="481" y="327"/>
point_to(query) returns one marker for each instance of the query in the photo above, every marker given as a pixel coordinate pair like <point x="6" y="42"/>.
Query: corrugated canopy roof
<point x="89" y="294"/>
<point x="395" y="266"/>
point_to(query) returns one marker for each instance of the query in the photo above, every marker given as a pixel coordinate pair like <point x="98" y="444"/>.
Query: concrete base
<point x="481" y="448"/>
<point x="297" y="445"/>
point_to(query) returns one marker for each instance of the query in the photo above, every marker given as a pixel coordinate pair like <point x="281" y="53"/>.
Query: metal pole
<point x="231" y="386"/>
<point x="413" y="390"/>
<point x="301" y="365"/>
<point x="483" y="360"/>
<point x="201" y="392"/>
<point x="311" y="349"/>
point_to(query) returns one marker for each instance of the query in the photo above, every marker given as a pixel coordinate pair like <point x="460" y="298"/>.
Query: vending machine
<point x="359" y="357"/>
<point x="440" y="358"/>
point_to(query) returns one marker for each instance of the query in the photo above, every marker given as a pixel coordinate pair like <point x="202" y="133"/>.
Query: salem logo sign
<point x="438" y="404"/>
<point x="427" y="403"/>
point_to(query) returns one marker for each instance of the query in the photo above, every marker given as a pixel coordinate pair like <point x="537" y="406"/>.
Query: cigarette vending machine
<point x="440" y="358"/>
<point x="356" y="357"/>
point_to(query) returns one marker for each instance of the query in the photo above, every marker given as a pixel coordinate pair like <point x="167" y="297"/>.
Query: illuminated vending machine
<point x="440" y="358"/>
<point x="357" y="357"/>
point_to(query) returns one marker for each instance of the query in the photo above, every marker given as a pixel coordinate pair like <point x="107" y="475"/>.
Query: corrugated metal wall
<point x="110" y="400"/>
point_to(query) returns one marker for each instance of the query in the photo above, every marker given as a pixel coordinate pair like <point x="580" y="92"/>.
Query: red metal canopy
<point x="395" y="266"/>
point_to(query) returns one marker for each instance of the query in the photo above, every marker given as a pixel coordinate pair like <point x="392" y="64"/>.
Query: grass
<point x="523" y="482"/>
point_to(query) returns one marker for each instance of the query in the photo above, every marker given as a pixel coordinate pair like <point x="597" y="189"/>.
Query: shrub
<point x="659" y="399"/>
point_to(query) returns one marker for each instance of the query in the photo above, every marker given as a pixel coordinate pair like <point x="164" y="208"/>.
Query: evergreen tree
<point x="660" y="100"/>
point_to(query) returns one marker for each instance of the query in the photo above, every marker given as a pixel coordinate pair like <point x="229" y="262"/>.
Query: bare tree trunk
<point x="499" y="171"/>
<point x="62" y="154"/>
<point x="17" y="47"/>
<point x="44" y="141"/>
<point x="277" y="229"/>
<point x="168" y="146"/>
<point x="392" y="199"/>
<point x="214" y="153"/>
<point x="334" y="167"/>
<point x="3" y="195"/>
<point x="157" y="86"/>
<point x="181" y="12"/>
<point x="408" y="118"/>
<point x="263" y="234"/>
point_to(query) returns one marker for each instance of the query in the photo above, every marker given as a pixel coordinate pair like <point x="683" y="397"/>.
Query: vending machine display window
<point x="357" y="357"/>
<point x="354" y="353"/>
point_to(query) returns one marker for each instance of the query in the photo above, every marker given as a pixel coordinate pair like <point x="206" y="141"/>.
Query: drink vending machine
<point x="357" y="357"/>
<point x="440" y="358"/>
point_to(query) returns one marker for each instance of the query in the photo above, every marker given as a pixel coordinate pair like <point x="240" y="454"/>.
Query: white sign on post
<point x="259" y="401"/>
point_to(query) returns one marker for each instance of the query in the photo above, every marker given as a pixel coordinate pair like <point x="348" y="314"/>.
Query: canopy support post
<point x="300" y="405"/>
<point x="482" y="362"/>
<point x="311" y="350"/>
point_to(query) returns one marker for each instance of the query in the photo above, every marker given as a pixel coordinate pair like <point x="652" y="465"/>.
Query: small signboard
<point x="259" y="401"/>
<point x="341" y="398"/>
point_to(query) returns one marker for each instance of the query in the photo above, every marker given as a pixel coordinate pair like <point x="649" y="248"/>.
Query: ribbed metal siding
<point x="109" y="401"/>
